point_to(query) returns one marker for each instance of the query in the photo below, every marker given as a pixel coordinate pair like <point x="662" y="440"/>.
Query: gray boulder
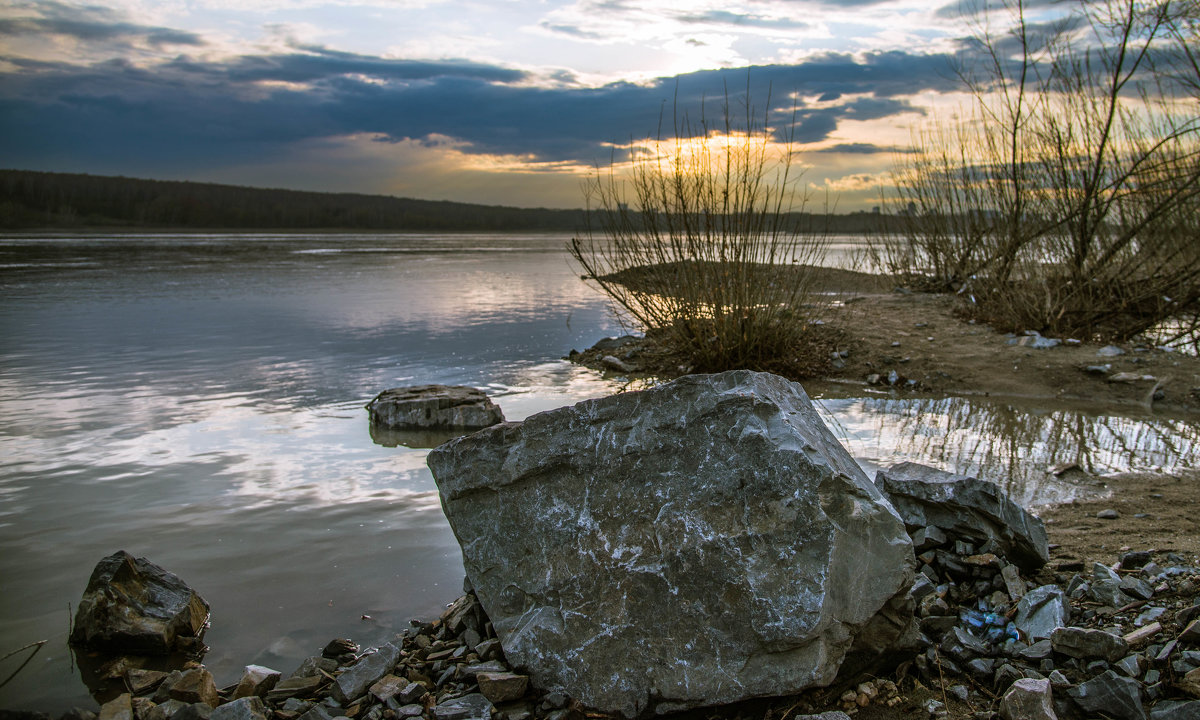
<point x="132" y="606"/>
<point x="434" y="407"/>
<point x="701" y="542"/>
<point x="966" y="508"/>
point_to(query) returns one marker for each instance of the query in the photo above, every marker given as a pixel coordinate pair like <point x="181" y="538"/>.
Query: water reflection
<point x="1015" y="446"/>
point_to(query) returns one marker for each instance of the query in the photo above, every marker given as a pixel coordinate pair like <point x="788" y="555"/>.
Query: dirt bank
<point x="918" y="336"/>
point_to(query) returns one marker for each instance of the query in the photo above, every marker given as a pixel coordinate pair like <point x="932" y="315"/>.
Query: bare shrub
<point x="698" y="244"/>
<point x="1065" y="199"/>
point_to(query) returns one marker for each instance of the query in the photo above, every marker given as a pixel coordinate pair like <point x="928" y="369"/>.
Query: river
<point x="198" y="399"/>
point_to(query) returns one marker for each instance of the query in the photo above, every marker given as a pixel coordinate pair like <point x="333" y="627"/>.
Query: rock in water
<point x="132" y="606"/>
<point x="434" y="407"/>
<point x="965" y="507"/>
<point x="701" y="542"/>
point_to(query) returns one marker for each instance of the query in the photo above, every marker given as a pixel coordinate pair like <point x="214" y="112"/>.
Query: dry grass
<point x="685" y="243"/>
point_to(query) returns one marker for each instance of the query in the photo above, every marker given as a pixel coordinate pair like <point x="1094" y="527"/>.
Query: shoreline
<point x="895" y="339"/>
<point x="455" y="660"/>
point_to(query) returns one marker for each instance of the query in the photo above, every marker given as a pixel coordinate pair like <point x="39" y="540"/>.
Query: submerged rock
<point x="132" y="606"/>
<point x="701" y="542"/>
<point x="434" y="407"/>
<point x="965" y="507"/>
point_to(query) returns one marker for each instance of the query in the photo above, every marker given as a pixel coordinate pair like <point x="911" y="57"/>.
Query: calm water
<point x="197" y="399"/>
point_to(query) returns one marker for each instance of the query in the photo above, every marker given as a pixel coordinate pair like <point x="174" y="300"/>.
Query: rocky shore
<point x="927" y="594"/>
<point x="1119" y="640"/>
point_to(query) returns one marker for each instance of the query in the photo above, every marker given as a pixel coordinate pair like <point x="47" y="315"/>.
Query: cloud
<point x="91" y="24"/>
<point x="724" y="17"/>
<point x="201" y="114"/>
<point x="859" y="148"/>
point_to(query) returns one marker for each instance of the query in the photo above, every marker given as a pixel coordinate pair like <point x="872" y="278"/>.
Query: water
<point x="197" y="399"/>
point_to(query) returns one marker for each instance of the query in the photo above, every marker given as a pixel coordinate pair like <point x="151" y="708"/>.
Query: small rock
<point x="339" y="647"/>
<point x="1028" y="699"/>
<point x="1190" y="683"/>
<point x="256" y="681"/>
<point x="1042" y="611"/>
<point x="615" y="363"/>
<point x="1108" y="514"/>
<point x="193" y="711"/>
<point x="468" y="707"/>
<point x="390" y="685"/>
<point x="244" y="708"/>
<point x="1128" y="377"/>
<point x="502" y="687"/>
<point x="1176" y="710"/>
<point x="295" y="687"/>
<point x="196" y="686"/>
<point x="119" y="708"/>
<point x="1108" y="694"/>
<point x="1191" y="634"/>
<point x="1083" y="643"/>
<point x="425" y="407"/>
<point x="1013" y="582"/>
<point x="141" y="682"/>
<point x="1110" y="351"/>
<point x="355" y="680"/>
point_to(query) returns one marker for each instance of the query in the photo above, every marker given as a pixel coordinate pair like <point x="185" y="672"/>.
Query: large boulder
<point x="965" y="508"/>
<point x="133" y="607"/>
<point x="434" y="407"/>
<point x="701" y="542"/>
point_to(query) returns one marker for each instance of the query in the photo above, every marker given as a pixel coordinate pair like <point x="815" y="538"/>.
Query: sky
<point x="501" y="102"/>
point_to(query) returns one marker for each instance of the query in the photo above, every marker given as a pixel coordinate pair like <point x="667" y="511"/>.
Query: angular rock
<point x="256" y="681"/>
<point x="502" y="687"/>
<point x="1190" y="683"/>
<point x="165" y="710"/>
<point x="1176" y="710"/>
<point x="132" y="606"/>
<point x="467" y="707"/>
<point x="1041" y="611"/>
<point x="141" y="681"/>
<point x="245" y="708"/>
<point x="966" y="508"/>
<point x="615" y="363"/>
<point x="119" y="708"/>
<point x="295" y="687"/>
<point x="429" y="407"/>
<point x="1087" y="644"/>
<point x="1191" y="633"/>
<point x="1028" y="699"/>
<point x="701" y="542"/>
<point x="193" y="711"/>
<point x="196" y="686"/>
<point x="1111" y="696"/>
<point x="360" y="676"/>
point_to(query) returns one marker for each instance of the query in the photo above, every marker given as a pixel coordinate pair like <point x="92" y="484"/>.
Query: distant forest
<point x="41" y="200"/>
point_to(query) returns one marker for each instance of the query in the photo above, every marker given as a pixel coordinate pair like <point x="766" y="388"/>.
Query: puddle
<point x="1015" y="445"/>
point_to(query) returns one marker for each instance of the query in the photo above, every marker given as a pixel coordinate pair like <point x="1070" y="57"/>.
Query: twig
<point x="937" y="657"/>
<point x="35" y="645"/>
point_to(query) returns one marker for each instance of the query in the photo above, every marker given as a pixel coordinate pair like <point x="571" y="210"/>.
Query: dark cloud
<point x="89" y="24"/>
<point x="860" y="149"/>
<point x="724" y="17"/>
<point x="119" y="116"/>
<point x="319" y="63"/>
<point x="968" y="8"/>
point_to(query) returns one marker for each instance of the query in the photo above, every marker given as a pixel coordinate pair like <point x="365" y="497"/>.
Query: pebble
<point x="1109" y="514"/>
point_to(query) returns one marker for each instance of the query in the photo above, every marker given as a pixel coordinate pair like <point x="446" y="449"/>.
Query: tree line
<point x="32" y="200"/>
